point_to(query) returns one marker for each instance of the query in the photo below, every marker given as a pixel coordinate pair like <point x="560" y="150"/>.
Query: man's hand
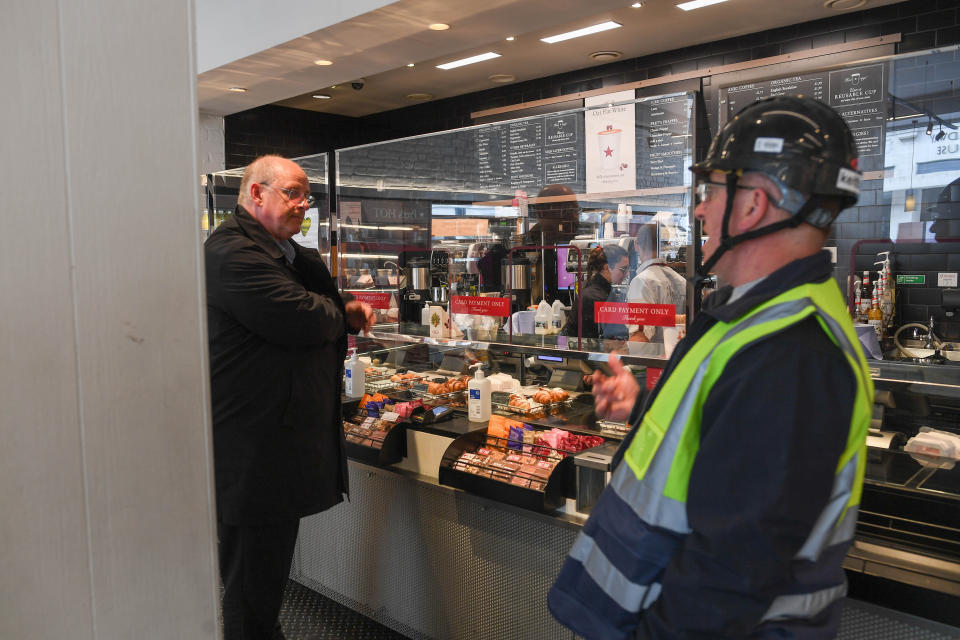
<point x="615" y="395"/>
<point x="360" y="315"/>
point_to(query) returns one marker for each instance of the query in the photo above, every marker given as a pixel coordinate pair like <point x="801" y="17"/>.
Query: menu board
<point x="856" y="93"/>
<point x="531" y="153"/>
<point x="663" y="138"/>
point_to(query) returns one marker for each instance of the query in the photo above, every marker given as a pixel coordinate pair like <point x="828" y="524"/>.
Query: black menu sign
<point x="525" y="153"/>
<point x="663" y="135"/>
<point x="528" y="154"/>
<point x="856" y="93"/>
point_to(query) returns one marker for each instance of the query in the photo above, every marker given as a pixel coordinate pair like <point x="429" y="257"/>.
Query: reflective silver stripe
<point x="804" y="605"/>
<point x="648" y="502"/>
<point x="652" y="595"/>
<point x="646" y="497"/>
<point x="628" y="595"/>
<point x="825" y="531"/>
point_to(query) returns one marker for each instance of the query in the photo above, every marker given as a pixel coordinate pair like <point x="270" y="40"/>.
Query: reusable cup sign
<point x="610" y="132"/>
<point x="480" y="306"/>
<point x="656" y="315"/>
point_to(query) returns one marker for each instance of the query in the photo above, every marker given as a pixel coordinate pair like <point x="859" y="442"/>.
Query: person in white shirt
<point x="655" y="283"/>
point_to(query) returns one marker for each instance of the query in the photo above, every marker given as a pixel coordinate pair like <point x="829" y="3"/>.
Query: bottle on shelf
<point x="875" y="316"/>
<point x="866" y="293"/>
<point x="857" y="292"/>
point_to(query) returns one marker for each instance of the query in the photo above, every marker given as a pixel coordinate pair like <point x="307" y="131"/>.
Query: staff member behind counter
<point x="655" y="283"/>
<point x="601" y="277"/>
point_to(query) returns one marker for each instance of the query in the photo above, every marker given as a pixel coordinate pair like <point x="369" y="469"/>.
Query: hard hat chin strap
<point x="727" y="241"/>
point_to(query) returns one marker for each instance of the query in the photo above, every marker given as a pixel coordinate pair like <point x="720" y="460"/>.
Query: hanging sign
<point x="656" y="315"/>
<point x="376" y="299"/>
<point x="480" y="306"/>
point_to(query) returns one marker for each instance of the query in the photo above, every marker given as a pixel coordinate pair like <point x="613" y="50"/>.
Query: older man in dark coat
<point x="277" y="329"/>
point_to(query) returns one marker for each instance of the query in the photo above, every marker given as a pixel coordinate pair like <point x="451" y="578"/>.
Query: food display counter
<point x="471" y="253"/>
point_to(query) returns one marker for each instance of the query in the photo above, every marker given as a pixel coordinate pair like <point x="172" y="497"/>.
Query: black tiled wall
<point x="293" y="132"/>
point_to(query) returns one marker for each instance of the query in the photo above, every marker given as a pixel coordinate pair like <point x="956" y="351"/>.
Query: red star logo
<point x="608" y="152"/>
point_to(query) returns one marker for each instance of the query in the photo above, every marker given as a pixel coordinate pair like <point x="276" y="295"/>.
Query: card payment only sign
<point x="657" y="315"/>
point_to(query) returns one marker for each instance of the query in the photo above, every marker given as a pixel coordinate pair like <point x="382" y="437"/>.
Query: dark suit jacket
<point x="277" y="343"/>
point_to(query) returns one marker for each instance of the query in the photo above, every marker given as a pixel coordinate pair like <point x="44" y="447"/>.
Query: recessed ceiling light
<point x="637" y="5"/>
<point x="489" y="55"/>
<point x="696" y="4"/>
<point x="321" y="96"/>
<point x="844" y="5"/>
<point x="439" y="26"/>
<point x="586" y="31"/>
<point x="419" y="96"/>
<point x="323" y="63"/>
<point x="410" y="64"/>
<point x="605" y="55"/>
<point x="511" y="38"/>
<point x="237" y="89"/>
<point x="502" y="78"/>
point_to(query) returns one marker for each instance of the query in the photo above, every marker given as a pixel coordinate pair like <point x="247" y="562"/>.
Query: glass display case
<point x="459" y="236"/>
<point x="539" y="231"/>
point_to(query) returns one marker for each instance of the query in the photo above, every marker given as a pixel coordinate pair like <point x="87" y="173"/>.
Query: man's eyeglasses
<point x="707" y="189"/>
<point x="292" y="194"/>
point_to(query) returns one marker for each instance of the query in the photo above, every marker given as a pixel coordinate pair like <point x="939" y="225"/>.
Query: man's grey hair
<point x="262" y="170"/>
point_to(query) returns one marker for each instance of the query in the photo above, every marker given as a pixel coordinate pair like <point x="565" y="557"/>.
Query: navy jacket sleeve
<point x="772" y="432"/>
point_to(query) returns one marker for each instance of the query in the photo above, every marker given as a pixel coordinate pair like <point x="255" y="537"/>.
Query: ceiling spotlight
<point x="321" y="96"/>
<point x="940" y="136"/>
<point x="237" y="89"/>
<point x="511" y="38"/>
<point x="637" y="5"/>
<point x="439" y="26"/>
<point x="323" y="63"/>
<point x="929" y="130"/>
<point x="419" y="97"/>
<point x="502" y="78"/>
<point x="410" y="64"/>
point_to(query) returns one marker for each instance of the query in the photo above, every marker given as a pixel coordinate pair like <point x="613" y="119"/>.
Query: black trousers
<point x="254" y="567"/>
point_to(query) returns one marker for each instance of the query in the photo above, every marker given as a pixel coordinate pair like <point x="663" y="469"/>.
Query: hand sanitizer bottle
<point x="354" y="377"/>
<point x="478" y="390"/>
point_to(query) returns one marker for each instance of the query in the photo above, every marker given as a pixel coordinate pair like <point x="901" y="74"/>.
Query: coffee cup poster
<point x="610" y="142"/>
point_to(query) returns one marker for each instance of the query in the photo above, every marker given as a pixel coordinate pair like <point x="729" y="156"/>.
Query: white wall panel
<point x="105" y="464"/>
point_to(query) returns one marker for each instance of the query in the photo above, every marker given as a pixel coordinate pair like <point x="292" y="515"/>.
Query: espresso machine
<point x="414" y="284"/>
<point x="519" y="289"/>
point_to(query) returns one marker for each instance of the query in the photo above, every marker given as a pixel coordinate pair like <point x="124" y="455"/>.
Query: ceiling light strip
<point x="489" y="55"/>
<point x="586" y="31"/>
<point x="697" y="4"/>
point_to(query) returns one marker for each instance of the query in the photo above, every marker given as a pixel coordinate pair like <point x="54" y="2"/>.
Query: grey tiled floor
<point x="307" y="615"/>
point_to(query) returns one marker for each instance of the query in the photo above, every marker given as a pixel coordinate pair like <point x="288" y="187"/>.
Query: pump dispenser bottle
<point x="478" y="390"/>
<point x="354" y="377"/>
